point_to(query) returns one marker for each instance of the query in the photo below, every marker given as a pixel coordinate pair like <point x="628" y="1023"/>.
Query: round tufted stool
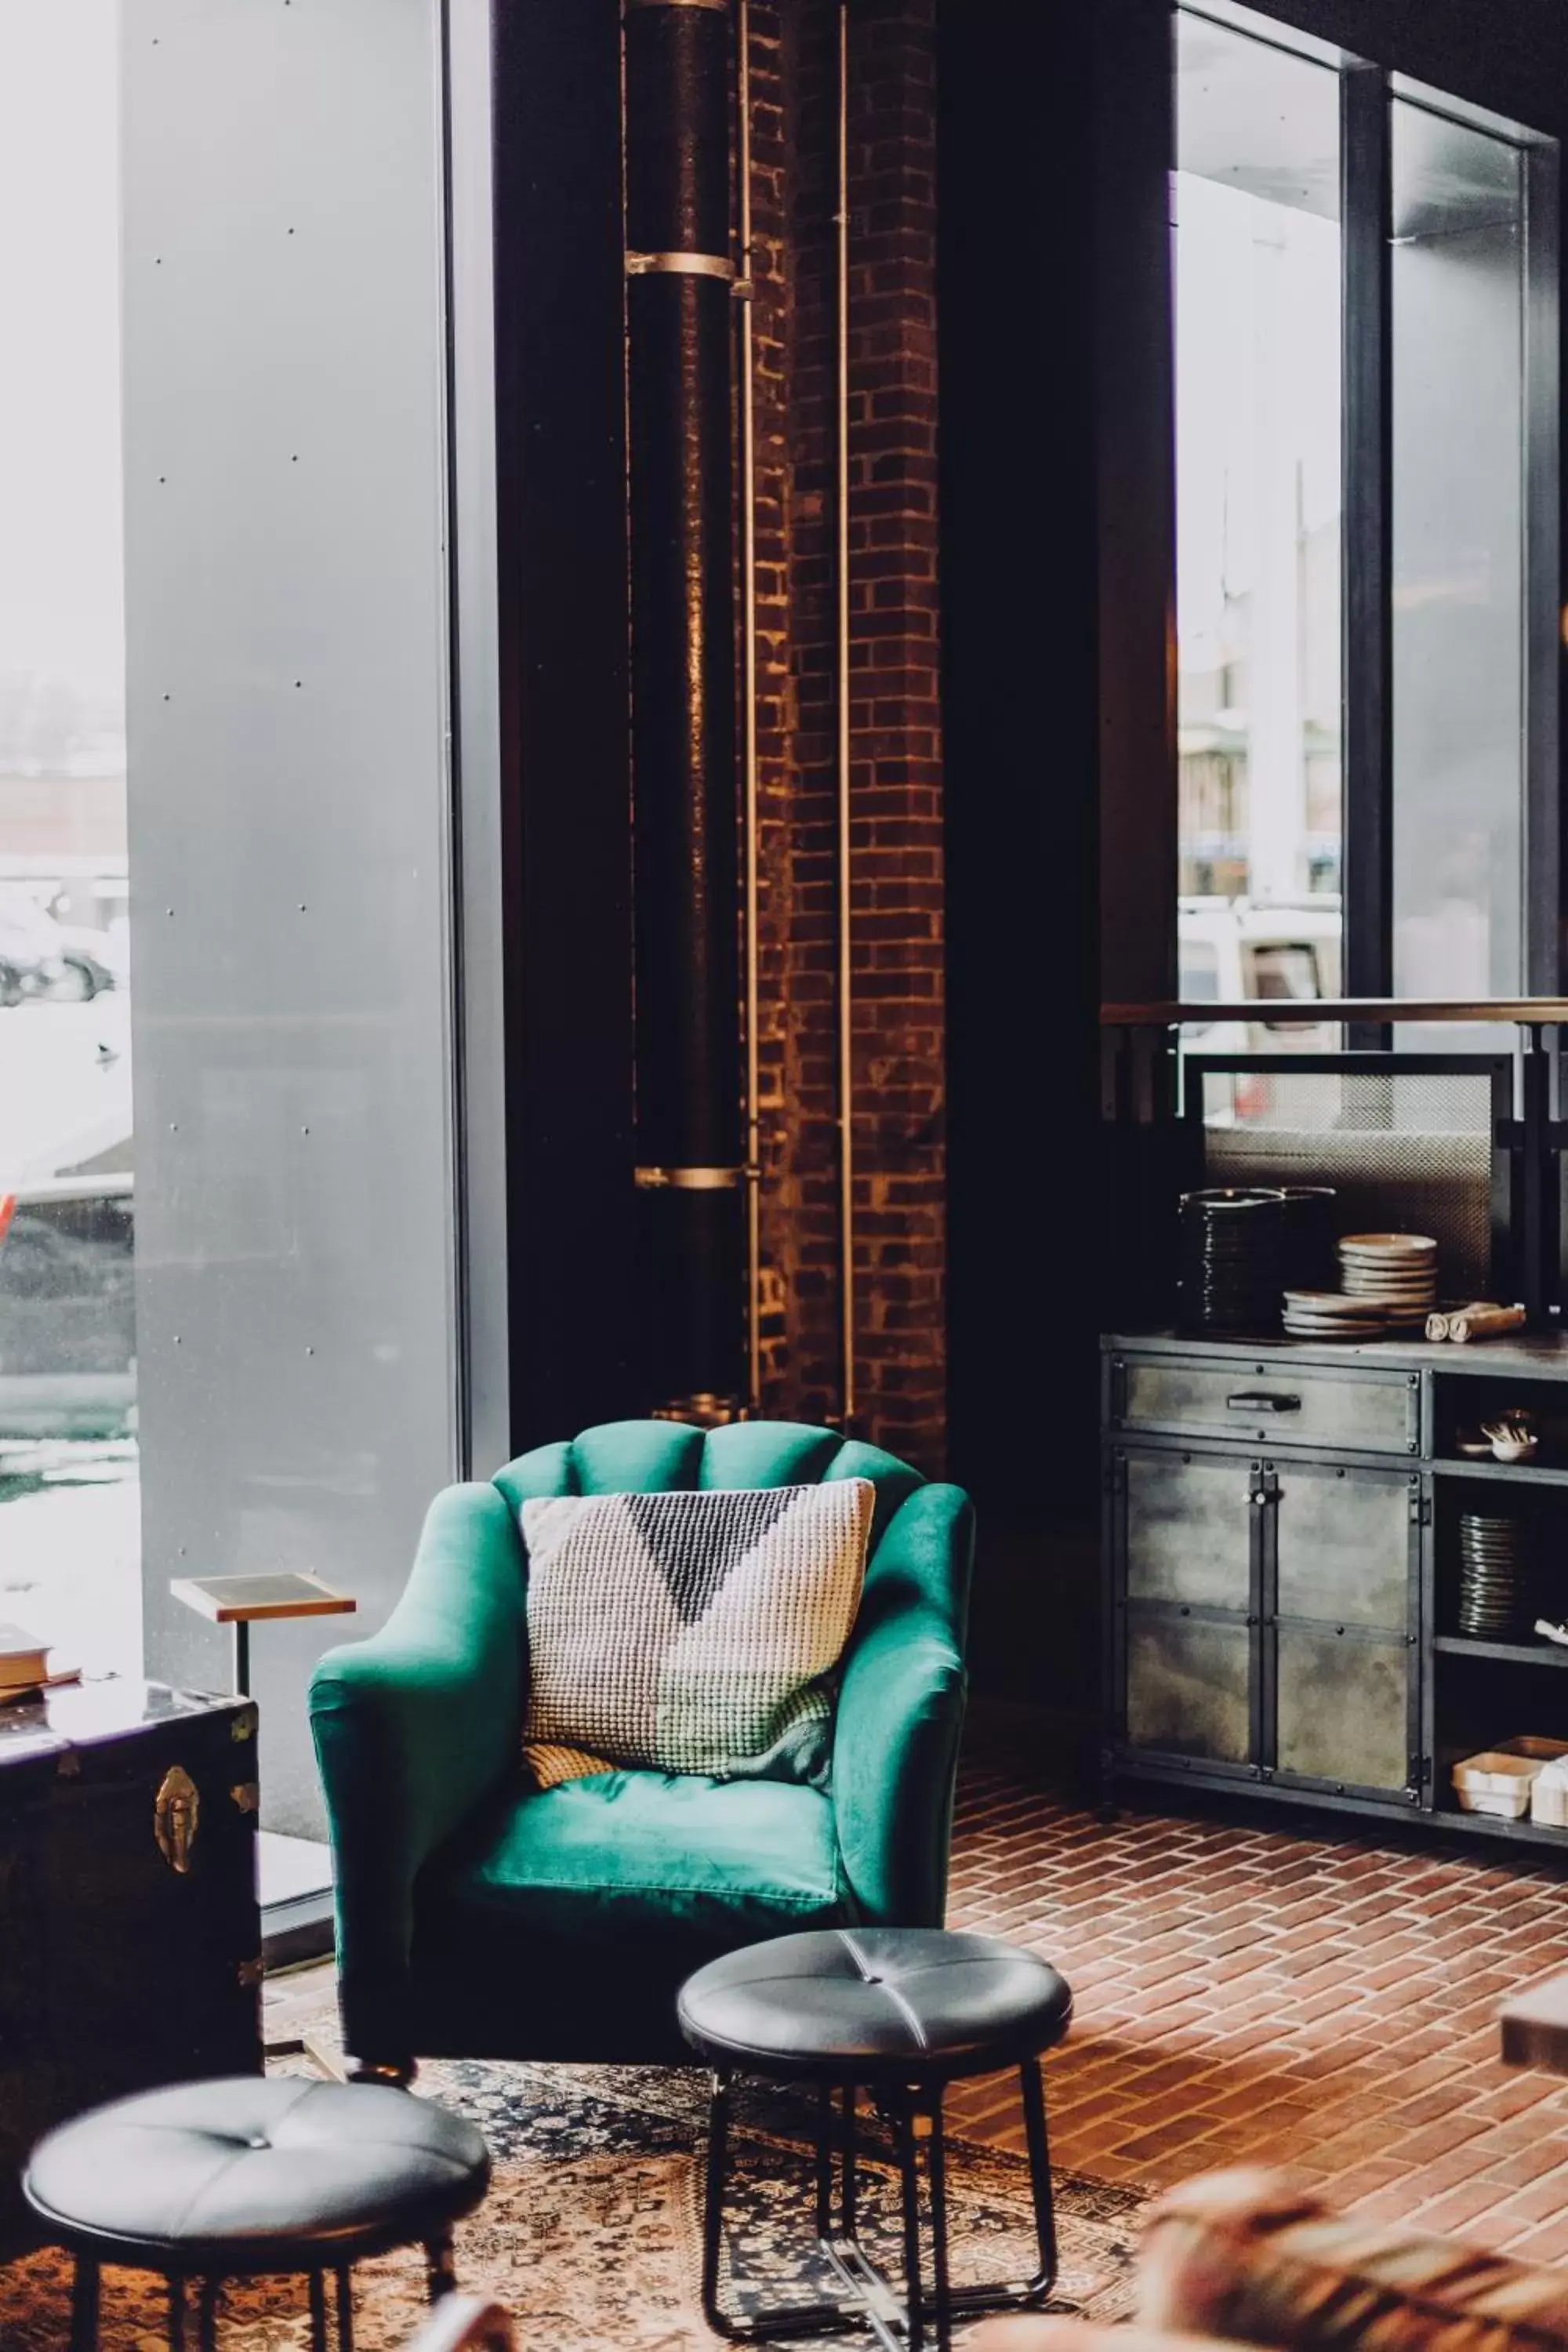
<point x="901" y="2012"/>
<point x="235" y="2178"/>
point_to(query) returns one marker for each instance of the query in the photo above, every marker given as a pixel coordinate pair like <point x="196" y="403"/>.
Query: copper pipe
<point x="841" y="584"/>
<point x="679" y="229"/>
<point x="745" y="294"/>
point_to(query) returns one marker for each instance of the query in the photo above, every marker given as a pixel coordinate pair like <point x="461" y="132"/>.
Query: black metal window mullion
<point x="1367" y="680"/>
<point x="1545" y="926"/>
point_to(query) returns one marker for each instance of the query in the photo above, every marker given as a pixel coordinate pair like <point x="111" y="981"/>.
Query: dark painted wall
<point x="1016" y="228"/>
<point x="565" y="785"/>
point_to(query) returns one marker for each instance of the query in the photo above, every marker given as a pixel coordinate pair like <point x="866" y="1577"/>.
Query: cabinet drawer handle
<point x="1262" y="1400"/>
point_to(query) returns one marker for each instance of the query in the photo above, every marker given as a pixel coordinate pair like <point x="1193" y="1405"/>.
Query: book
<point x="24" y="1659"/>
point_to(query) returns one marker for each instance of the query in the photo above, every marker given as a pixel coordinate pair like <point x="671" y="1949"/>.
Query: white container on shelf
<point x="1501" y="1780"/>
<point x="1548" y="1796"/>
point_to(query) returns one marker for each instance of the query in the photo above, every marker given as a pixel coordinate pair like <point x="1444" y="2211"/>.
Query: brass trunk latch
<point x="177" y="1809"/>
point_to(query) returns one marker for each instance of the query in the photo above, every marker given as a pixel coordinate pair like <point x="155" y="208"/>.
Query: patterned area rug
<point x="592" y="2232"/>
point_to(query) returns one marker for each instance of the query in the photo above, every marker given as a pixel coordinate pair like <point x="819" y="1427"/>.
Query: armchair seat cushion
<point x="632" y="1854"/>
<point x="570" y="1914"/>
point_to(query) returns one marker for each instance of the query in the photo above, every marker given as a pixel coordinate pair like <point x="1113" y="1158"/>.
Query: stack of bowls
<point x="1230" y="1260"/>
<point x="1495" y="1576"/>
<point x="1395" y="1275"/>
<point x="1329" y="1315"/>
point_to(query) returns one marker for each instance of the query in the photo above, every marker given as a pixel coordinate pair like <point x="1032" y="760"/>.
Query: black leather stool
<point x="901" y="2012"/>
<point x="245" y="2177"/>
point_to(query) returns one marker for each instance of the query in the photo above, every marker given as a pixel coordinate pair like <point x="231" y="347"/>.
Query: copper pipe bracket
<point x="687" y="1179"/>
<point x="678" y="264"/>
<point x="703" y="1410"/>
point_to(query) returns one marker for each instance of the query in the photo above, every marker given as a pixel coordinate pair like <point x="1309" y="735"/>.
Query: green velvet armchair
<point x="480" y="1916"/>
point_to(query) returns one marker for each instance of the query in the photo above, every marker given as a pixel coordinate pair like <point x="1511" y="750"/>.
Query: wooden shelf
<point x="1512" y="1653"/>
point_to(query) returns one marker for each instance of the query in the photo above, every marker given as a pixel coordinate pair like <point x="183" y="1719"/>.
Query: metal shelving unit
<point x="1280" y="1584"/>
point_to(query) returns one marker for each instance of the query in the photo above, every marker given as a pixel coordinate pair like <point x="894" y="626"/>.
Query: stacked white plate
<point x="1392" y="1276"/>
<point x="1330" y="1315"/>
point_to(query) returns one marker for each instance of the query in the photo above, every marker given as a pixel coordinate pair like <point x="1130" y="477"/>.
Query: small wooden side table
<point x="246" y="1600"/>
<point x="1535" y="2027"/>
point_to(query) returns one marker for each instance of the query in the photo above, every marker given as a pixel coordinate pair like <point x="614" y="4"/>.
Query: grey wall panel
<point x="485" y="1284"/>
<point x="289" y="797"/>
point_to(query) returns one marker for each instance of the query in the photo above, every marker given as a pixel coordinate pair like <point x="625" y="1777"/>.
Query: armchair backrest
<point x="645" y="1457"/>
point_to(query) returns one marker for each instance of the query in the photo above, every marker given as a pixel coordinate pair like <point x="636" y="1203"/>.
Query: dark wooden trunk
<point x="129" y="1937"/>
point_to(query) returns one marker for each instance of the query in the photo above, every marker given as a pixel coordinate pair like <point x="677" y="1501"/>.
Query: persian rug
<point x="591" y="2235"/>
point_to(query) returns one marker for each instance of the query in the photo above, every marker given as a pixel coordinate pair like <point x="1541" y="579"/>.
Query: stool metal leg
<point x="936" y="2161"/>
<point x="84" y="2304"/>
<point x="713" y="2200"/>
<point x="207" y="2315"/>
<point x="318" y="2313"/>
<point x="872" y="2303"/>
<point x="846" y="2183"/>
<point x="1039" y="2178"/>
<point x="176" y="2314"/>
<point x="802" y="2319"/>
<point x="825" y="2160"/>
<point x="1024" y="2293"/>
<point x="908" y="2142"/>
<point x="440" y="2271"/>
<point x="345" y="2309"/>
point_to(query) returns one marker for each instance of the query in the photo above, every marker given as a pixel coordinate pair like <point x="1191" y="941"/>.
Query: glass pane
<point x="68" y="1503"/>
<point x="1459" y="557"/>
<point x="1188" y="1687"/>
<point x="1342" y="1710"/>
<point x="1257" y="269"/>
<point x="1409" y="1151"/>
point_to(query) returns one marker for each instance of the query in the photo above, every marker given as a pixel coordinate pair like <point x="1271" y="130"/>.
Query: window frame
<point x="1367" y="90"/>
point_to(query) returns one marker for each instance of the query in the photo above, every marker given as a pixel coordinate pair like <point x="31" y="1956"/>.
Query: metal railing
<point x="1150" y="1131"/>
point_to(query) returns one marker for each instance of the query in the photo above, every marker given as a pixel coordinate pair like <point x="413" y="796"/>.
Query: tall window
<point x="1458" y="618"/>
<point x="68" y="1531"/>
<point x="1256" y="201"/>
<point x="1365" y="324"/>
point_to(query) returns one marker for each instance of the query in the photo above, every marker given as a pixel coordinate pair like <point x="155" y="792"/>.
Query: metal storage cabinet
<point x="129" y="1937"/>
<point x="1264" y="1595"/>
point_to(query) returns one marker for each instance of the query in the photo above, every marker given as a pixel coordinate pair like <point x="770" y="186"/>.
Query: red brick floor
<point x="1244" y="1993"/>
<point x="1248" y="1994"/>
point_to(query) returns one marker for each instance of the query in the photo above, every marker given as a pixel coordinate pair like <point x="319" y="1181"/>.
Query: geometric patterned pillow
<point x="690" y="1632"/>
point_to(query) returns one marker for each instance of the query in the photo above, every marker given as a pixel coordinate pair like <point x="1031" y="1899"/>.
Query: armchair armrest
<point x="413" y="1729"/>
<point x="900" y="1710"/>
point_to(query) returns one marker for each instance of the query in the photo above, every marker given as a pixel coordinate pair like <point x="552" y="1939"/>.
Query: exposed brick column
<point x="896" y="828"/>
<point x="771" y="331"/>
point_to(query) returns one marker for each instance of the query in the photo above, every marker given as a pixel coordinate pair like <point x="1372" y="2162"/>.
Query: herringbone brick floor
<point x="1244" y="1993"/>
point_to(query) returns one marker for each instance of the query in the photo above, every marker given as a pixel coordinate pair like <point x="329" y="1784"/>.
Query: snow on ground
<point x="65" y="1084"/>
<point x="70" y="1550"/>
<point x="69" y="1511"/>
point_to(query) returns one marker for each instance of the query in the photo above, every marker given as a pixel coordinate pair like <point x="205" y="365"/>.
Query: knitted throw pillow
<point x="690" y="1632"/>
